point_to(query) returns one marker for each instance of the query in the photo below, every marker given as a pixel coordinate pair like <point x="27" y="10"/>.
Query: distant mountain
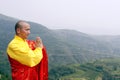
<point x="63" y="46"/>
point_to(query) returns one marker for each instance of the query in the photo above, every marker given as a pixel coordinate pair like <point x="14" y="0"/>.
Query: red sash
<point x="22" y="72"/>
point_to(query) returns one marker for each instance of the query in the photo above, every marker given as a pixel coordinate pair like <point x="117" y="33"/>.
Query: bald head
<point x="22" y="29"/>
<point x="20" y="24"/>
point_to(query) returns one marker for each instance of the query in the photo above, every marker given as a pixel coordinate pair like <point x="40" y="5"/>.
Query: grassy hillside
<point x="64" y="47"/>
<point x="105" y="69"/>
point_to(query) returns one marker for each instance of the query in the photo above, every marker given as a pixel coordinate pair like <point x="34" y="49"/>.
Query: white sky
<point x="88" y="16"/>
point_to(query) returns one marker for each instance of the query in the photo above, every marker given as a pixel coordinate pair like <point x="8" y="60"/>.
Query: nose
<point x="29" y="32"/>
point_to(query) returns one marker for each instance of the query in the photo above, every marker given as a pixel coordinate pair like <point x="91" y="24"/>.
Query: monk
<point x="28" y="59"/>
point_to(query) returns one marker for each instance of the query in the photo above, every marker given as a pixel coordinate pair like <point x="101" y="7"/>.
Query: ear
<point x="18" y="30"/>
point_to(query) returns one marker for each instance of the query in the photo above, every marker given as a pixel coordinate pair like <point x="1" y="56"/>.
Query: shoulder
<point x="15" y="43"/>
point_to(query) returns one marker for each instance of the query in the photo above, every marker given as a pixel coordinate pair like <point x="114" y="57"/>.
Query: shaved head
<point x="22" y="29"/>
<point x="20" y="24"/>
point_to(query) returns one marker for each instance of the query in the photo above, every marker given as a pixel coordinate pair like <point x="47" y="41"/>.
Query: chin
<point x="25" y="37"/>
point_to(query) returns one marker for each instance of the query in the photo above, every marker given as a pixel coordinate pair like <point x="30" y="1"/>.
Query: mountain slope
<point x="63" y="46"/>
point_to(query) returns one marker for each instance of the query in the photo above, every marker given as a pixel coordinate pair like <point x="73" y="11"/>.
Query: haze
<point x="98" y="17"/>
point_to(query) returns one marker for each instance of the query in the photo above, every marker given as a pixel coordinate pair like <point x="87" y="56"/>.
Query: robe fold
<point x="24" y="72"/>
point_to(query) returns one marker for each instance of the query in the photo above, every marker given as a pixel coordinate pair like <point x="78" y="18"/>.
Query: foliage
<point x="100" y="69"/>
<point x="5" y="77"/>
<point x="57" y="72"/>
<point x="67" y="47"/>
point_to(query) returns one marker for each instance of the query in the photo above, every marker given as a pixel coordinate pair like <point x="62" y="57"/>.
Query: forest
<point x="73" y="55"/>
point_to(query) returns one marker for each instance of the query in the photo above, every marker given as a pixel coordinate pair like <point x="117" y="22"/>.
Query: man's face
<point x="24" y="31"/>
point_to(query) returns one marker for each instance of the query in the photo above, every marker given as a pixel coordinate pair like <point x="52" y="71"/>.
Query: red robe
<point x="23" y="72"/>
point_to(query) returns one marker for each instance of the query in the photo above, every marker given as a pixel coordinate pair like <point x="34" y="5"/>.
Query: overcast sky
<point x="88" y="16"/>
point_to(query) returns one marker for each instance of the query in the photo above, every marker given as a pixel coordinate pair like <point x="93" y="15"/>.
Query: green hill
<point x="63" y="46"/>
<point x="105" y="69"/>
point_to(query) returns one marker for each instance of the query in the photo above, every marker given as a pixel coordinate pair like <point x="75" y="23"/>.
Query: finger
<point x="37" y="38"/>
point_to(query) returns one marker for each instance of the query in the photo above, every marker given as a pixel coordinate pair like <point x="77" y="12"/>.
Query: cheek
<point x="23" y="33"/>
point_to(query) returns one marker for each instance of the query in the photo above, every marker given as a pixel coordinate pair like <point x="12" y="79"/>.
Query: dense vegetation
<point x="105" y="69"/>
<point x="65" y="48"/>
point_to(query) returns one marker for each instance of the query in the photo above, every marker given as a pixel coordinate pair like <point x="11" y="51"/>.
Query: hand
<point x="38" y="42"/>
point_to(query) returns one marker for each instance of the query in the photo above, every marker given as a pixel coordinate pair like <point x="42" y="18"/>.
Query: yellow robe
<point x="19" y="50"/>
